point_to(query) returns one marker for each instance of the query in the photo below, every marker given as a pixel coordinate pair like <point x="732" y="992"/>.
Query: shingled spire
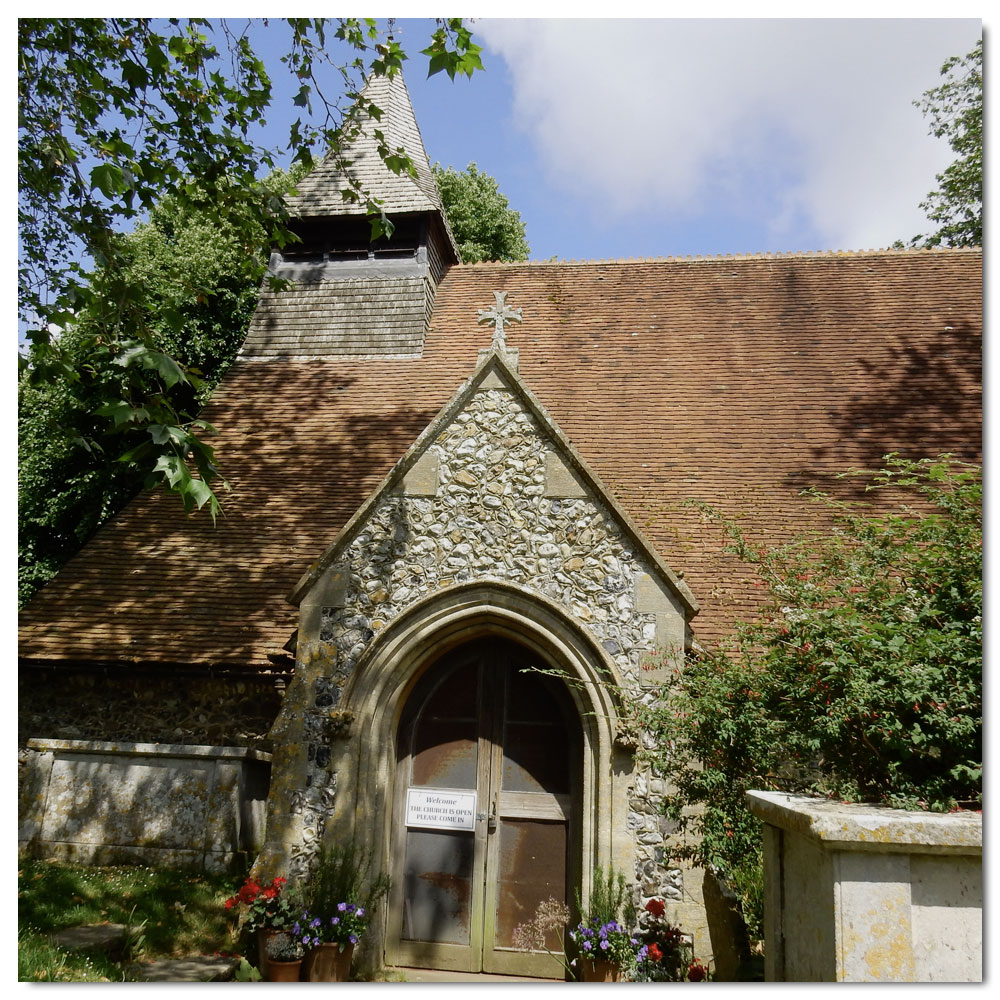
<point x="400" y="194"/>
<point x="355" y="296"/>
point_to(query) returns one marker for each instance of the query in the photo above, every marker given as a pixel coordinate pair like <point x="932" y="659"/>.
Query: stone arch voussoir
<point x="386" y="673"/>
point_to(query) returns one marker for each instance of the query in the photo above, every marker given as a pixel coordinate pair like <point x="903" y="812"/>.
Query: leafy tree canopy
<point x="484" y="224"/>
<point x="114" y="116"/>
<point x="955" y="110"/>
<point x="861" y="679"/>
<point x="196" y="300"/>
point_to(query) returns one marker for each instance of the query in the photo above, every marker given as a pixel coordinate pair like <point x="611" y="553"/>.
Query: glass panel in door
<point x="438" y="897"/>
<point x="477" y="726"/>
<point x="529" y="851"/>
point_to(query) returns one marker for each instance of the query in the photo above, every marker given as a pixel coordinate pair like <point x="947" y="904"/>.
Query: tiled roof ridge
<point x="704" y="258"/>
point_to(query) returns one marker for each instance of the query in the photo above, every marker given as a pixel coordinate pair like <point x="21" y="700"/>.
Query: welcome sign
<point x="436" y="809"/>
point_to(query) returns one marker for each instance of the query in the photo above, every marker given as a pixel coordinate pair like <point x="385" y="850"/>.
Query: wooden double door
<point x="485" y="818"/>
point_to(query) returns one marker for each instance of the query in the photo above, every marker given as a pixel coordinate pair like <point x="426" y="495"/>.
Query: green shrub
<point x="610" y="899"/>
<point x="342" y="874"/>
<point x="861" y="679"/>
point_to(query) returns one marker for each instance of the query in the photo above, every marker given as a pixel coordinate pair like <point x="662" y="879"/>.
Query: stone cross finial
<point x="500" y="313"/>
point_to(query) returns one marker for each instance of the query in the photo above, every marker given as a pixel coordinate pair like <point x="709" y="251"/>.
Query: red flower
<point x="230" y="903"/>
<point x="696" y="972"/>
<point x="655" y="907"/>
<point x="654" y="952"/>
<point x="270" y="892"/>
<point x="249" y="891"/>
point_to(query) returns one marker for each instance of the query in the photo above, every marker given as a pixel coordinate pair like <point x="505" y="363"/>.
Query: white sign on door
<point x="434" y="809"/>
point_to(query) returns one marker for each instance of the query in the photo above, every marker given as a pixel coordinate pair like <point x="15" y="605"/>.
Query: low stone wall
<point x="859" y="893"/>
<point x="142" y="803"/>
<point x="124" y="705"/>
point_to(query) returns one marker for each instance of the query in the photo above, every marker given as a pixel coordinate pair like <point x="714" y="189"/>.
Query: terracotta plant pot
<point x="264" y="934"/>
<point x="326" y="963"/>
<point x="598" y="972"/>
<point x="283" y="972"/>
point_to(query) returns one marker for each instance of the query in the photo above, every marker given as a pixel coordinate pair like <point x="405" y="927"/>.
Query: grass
<point x="172" y="913"/>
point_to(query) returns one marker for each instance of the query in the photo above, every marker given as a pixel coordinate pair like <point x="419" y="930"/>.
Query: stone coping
<point x="149" y="749"/>
<point x="863" y="827"/>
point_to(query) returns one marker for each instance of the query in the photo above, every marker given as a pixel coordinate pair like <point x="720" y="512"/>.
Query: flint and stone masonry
<point x="491" y="494"/>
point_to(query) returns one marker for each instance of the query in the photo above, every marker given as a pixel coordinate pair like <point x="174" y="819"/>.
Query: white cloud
<point x="808" y="121"/>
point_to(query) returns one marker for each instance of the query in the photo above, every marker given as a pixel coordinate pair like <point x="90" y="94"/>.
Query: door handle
<point x="492" y="823"/>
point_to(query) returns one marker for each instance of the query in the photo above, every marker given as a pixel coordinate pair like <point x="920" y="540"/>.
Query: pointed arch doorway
<point x="486" y="812"/>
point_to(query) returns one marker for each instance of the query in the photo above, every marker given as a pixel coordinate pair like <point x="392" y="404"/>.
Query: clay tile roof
<point x="738" y="381"/>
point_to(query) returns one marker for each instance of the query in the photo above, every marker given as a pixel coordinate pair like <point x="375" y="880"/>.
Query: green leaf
<point x="199" y="492"/>
<point x="135" y="75"/>
<point x="107" y="178"/>
<point x="164" y="434"/>
<point x="172" y="468"/>
<point x="119" y="411"/>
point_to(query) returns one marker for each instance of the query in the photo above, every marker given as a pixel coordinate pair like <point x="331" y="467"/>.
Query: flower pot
<point x="600" y="971"/>
<point x="283" y="972"/>
<point x="326" y="963"/>
<point x="264" y="934"/>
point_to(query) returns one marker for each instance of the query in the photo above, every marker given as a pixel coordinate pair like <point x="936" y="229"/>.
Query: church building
<point x="457" y="547"/>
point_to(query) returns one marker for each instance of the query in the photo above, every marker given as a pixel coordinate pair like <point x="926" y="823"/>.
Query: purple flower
<point x="334" y="921"/>
<point x="342" y="907"/>
<point x="314" y="922"/>
<point x="361" y="911"/>
<point x="354" y="939"/>
<point x="587" y="946"/>
<point x="604" y="944"/>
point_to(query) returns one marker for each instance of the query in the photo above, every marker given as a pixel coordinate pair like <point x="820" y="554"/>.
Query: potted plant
<point x="269" y="909"/>
<point x="340" y="899"/>
<point x="605" y="945"/>
<point x="666" y="954"/>
<point x="284" y="957"/>
<point x="330" y="941"/>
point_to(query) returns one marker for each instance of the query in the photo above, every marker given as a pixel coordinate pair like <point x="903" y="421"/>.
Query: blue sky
<point x="716" y="136"/>
<point x="642" y="138"/>
<point x="622" y="138"/>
